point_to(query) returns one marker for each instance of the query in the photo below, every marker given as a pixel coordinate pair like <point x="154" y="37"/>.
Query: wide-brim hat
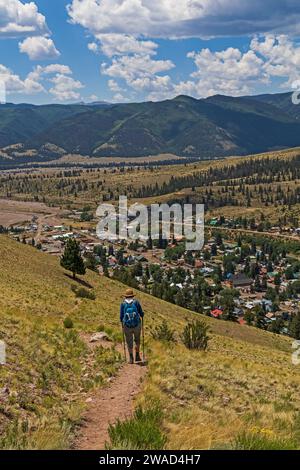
<point x="129" y="293"/>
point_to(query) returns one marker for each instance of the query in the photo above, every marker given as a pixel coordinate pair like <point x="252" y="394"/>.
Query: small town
<point x="238" y="279"/>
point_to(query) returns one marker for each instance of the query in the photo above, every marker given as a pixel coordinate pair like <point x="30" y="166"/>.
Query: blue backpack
<point x="131" y="317"/>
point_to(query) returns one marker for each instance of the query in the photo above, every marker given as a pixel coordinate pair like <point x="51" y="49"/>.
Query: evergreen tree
<point x="260" y="320"/>
<point x="91" y="262"/>
<point x="276" y="326"/>
<point x="72" y="259"/>
<point x="294" y="328"/>
<point x="257" y="284"/>
<point x="249" y="317"/>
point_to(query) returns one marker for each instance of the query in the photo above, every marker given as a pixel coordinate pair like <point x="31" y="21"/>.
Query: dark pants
<point x="133" y="334"/>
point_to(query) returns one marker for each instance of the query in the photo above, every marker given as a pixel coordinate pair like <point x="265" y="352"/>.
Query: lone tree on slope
<point x="72" y="259"/>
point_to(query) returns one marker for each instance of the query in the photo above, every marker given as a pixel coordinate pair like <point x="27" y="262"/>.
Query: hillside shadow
<point x="79" y="281"/>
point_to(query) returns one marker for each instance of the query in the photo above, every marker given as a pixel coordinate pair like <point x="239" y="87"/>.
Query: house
<point x="199" y="263"/>
<point x="141" y="259"/>
<point x="214" y="222"/>
<point x="217" y="313"/>
<point x="241" y="281"/>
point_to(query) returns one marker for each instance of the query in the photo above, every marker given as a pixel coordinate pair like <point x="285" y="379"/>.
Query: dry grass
<point x="47" y="182"/>
<point x="245" y="381"/>
<point x="211" y="398"/>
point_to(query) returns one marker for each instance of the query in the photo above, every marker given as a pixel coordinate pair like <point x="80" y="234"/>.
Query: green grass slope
<point x="243" y="390"/>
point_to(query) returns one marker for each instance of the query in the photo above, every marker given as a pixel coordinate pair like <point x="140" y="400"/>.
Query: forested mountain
<point x="213" y="127"/>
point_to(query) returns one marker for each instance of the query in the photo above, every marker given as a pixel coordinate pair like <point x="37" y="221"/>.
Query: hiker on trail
<point x="131" y="315"/>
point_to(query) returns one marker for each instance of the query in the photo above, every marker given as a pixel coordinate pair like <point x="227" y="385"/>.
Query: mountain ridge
<point x="216" y="126"/>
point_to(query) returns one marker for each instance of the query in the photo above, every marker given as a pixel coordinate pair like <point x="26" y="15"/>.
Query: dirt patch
<point x="16" y="212"/>
<point x="109" y="404"/>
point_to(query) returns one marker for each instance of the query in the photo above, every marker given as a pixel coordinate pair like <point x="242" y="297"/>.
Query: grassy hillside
<point x="244" y="383"/>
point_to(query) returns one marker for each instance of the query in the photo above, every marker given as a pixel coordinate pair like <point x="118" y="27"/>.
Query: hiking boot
<point x="138" y="357"/>
<point x="131" y="361"/>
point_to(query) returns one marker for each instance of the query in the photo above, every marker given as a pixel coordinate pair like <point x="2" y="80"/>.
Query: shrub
<point x="163" y="333"/>
<point x="83" y="293"/>
<point x="195" y="335"/>
<point x="141" y="432"/>
<point x="68" y="323"/>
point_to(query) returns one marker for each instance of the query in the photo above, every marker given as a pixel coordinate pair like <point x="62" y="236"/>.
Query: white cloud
<point x="133" y="67"/>
<point x="65" y="88"/>
<point x="234" y="73"/>
<point x="119" y="98"/>
<point x="40" y="73"/>
<point x="122" y="44"/>
<point x="281" y="57"/>
<point x="186" y="18"/>
<point x="93" y="47"/>
<point x="114" y="86"/>
<point x="14" y="84"/>
<point x="39" y="48"/>
<point x="19" y="19"/>
<point x="93" y="98"/>
<point x="227" y="72"/>
<point x="140" y="72"/>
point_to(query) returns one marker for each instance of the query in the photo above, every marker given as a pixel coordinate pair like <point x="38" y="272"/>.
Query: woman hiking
<point x="131" y="315"/>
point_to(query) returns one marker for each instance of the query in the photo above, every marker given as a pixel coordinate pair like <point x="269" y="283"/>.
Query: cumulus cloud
<point x="14" y="84"/>
<point x="235" y="73"/>
<point x="186" y="18"/>
<point x="120" y="44"/>
<point x="281" y="57"/>
<point x="93" y="47"/>
<point x="141" y="73"/>
<point x="39" y="48"/>
<point x="19" y="19"/>
<point x="55" y="79"/>
<point x="122" y="28"/>
<point x="229" y="72"/>
<point x="114" y="86"/>
<point x="132" y="67"/>
<point x="65" y="88"/>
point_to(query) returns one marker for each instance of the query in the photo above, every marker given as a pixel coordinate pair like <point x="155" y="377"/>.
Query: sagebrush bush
<point x="68" y="323"/>
<point x="141" y="432"/>
<point x="163" y="333"/>
<point x="195" y="335"/>
<point x="83" y="293"/>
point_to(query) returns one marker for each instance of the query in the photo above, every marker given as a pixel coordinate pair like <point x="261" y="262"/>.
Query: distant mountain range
<point x="212" y="127"/>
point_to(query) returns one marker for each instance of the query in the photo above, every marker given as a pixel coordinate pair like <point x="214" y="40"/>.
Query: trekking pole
<point x="143" y="342"/>
<point x="124" y="343"/>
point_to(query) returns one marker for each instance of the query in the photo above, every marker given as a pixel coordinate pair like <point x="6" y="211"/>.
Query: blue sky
<point x="132" y="50"/>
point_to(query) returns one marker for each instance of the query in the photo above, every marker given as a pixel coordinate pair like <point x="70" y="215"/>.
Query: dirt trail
<point x="107" y="405"/>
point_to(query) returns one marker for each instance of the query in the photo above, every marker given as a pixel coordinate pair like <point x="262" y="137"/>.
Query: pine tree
<point x="260" y="320"/>
<point x="294" y="328"/>
<point x="72" y="259"/>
